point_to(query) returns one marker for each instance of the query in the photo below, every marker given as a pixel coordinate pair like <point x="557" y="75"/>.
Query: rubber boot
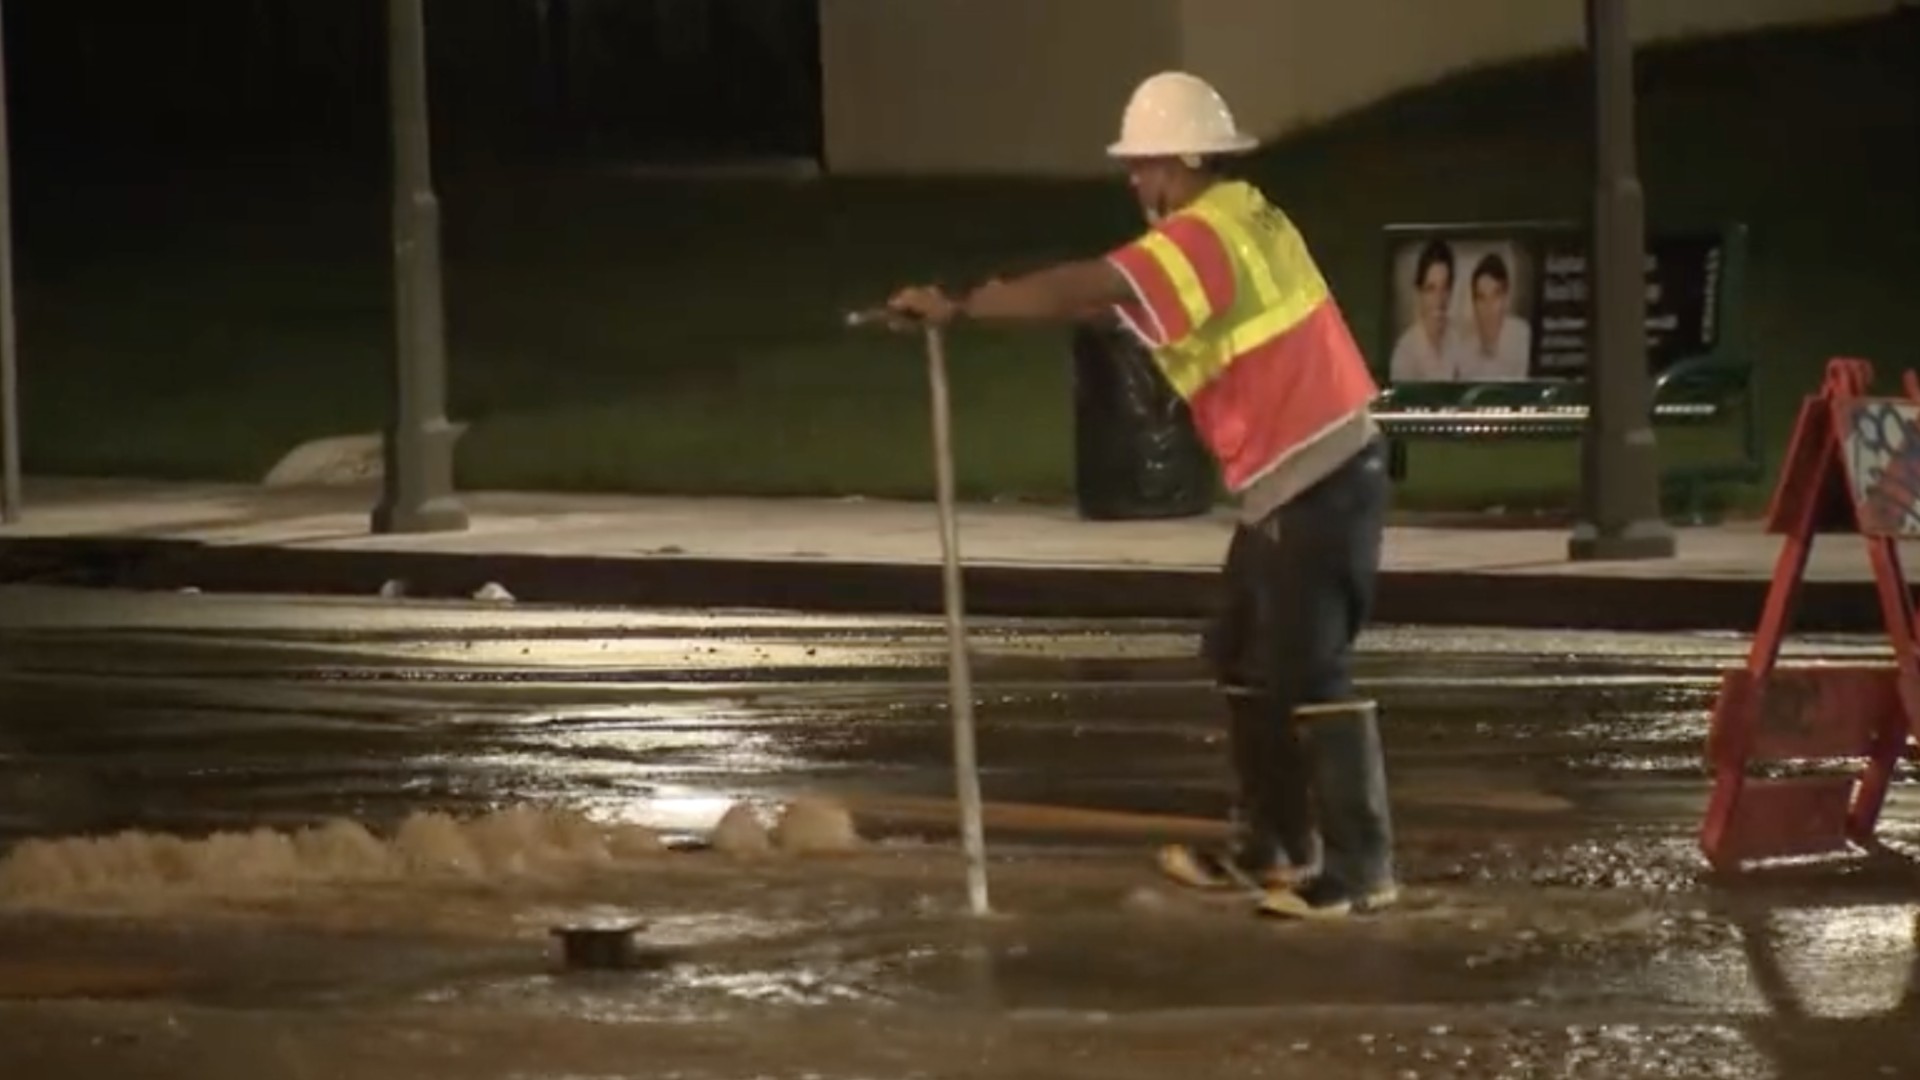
<point x="1274" y="842"/>
<point x="1350" y="796"/>
<point x="1278" y="780"/>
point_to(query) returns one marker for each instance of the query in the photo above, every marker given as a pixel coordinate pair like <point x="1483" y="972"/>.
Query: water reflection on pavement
<point x="1547" y="788"/>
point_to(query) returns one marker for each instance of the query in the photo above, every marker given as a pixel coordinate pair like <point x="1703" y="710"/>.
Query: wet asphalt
<point x="1547" y="787"/>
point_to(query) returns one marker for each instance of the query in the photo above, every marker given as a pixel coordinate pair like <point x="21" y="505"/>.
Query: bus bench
<point x="1526" y="381"/>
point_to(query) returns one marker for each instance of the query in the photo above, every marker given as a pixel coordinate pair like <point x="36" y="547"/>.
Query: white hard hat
<point x="1174" y="114"/>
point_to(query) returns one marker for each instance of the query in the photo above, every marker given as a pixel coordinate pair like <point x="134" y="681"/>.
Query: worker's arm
<point x="1064" y="292"/>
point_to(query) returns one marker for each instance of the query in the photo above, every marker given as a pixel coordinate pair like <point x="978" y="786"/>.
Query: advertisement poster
<point x="1507" y="303"/>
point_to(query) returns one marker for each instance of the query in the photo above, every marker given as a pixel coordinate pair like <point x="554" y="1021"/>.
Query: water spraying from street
<point x="245" y="837"/>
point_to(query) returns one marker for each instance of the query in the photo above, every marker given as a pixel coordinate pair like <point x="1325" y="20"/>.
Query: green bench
<point x="1702" y="374"/>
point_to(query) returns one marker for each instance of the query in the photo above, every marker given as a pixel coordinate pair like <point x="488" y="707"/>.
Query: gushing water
<point x="515" y="842"/>
<point x="520" y="842"/>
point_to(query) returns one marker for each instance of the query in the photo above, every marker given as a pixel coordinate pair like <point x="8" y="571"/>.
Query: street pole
<point x="417" y="491"/>
<point x="10" y="496"/>
<point x="1620" y="477"/>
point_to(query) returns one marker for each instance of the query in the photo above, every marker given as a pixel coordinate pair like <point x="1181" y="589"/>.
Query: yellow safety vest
<point x="1240" y="319"/>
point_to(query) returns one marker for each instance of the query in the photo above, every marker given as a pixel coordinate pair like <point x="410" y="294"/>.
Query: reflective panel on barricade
<point x="1882" y="442"/>
<point x="1853" y="467"/>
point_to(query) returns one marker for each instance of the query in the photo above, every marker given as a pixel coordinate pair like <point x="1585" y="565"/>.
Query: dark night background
<point x="202" y="213"/>
<point x="118" y="83"/>
<point x="203" y="226"/>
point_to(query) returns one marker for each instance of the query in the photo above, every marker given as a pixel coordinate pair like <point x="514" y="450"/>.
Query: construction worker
<point x="1223" y="290"/>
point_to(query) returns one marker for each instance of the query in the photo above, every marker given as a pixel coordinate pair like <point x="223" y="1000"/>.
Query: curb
<point x="1432" y="598"/>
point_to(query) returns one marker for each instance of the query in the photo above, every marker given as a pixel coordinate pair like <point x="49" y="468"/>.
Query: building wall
<point x="1285" y="63"/>
<point x="994" y="86"/>
<point x="1036" y="86"/>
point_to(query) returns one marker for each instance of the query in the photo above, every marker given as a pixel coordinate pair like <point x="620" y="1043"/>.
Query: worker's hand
<point x="926" y="303"/>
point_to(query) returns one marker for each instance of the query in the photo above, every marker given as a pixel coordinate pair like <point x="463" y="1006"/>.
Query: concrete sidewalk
<point x="860" y="555"/>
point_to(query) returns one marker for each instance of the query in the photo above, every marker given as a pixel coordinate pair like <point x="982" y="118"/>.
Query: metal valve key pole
<point x="959" y="675"/>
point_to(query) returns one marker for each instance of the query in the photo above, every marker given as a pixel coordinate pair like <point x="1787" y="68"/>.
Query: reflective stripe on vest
<point x="1276" y="369"/>
<point x="1184" y="277"/>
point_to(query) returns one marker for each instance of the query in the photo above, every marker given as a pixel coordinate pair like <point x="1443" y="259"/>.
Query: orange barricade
<point x="1853" y="468"/>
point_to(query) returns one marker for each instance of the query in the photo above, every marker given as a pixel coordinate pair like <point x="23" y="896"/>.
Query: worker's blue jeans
<point x="1299" y="589"/>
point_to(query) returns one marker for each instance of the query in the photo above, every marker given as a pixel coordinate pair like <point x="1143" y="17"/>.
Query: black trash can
<point x="1136" y="452"/>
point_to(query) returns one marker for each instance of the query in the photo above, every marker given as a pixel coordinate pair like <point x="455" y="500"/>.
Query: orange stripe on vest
<point x="1248" y="332"/>
<point x="1278" y="397"/>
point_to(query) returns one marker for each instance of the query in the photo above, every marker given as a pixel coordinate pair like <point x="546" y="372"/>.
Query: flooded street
<point x="265" y="837"/>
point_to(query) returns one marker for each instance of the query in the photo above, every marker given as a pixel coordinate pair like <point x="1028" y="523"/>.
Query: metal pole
<point x="417" y="493"/>
<point x="966" y="767"/>
<point x="1620" y="478"/>
<point x="10" y="495"/>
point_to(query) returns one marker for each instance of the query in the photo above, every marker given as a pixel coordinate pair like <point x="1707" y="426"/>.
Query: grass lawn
<point x="616" y="334"/>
